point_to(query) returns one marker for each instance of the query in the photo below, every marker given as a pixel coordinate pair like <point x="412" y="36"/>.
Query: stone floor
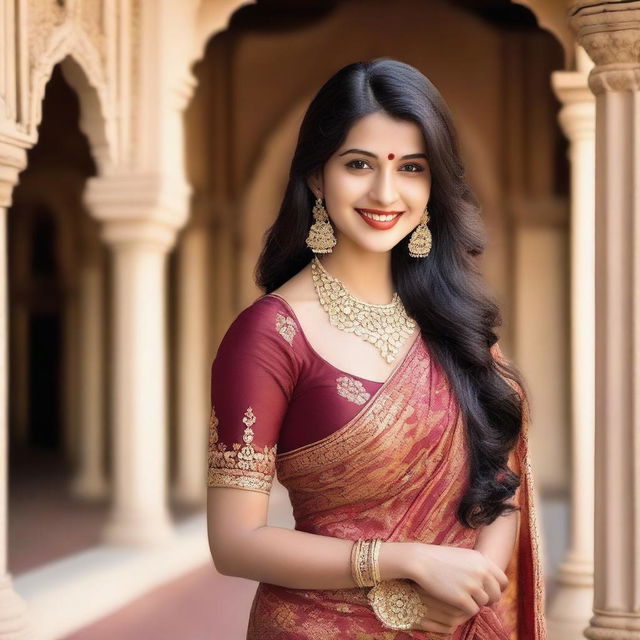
<point x="202" y="605"/>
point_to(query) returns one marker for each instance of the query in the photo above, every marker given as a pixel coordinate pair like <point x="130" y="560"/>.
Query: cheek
<point x="415" y="197"/>
<point x="345" y="190"/>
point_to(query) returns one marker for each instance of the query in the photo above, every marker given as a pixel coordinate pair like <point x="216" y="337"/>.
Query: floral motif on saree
<point x="286" y="327"/>
<point x="352" y="389"/>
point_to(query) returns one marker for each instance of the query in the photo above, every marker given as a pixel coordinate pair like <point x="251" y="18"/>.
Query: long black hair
<point x="443" y="292"/>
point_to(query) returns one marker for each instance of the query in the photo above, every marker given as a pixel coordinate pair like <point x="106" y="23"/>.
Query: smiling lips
<point x="379" y="219"/>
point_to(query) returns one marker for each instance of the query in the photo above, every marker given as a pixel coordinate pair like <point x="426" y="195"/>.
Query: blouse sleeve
<point x="252" y="379"/>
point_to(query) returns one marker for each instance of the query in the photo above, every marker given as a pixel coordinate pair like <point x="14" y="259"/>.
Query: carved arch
<point x="82" y="67"/>
<point x="211" y="17"/>
<point x="552" y="16"/>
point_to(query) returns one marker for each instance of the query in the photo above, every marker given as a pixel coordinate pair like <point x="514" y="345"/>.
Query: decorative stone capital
<point x="13" y="159"/>
<point x="578" y="114"/>
<point x="134" y="208"/>
<point x="610" y="33"/>
<point x="123" y="234"/>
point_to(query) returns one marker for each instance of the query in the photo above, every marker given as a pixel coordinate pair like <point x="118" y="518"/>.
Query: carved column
<point x="139" y="219"/>
<point x="610" y="33"/>
<point x="14" y="621"/>
<point x="571" y="607"/>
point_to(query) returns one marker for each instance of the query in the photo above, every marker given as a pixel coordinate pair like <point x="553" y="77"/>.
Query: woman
<point x="369" y="377"/>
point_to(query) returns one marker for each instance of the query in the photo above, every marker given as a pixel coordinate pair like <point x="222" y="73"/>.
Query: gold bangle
<point x="367" y="578"/>
<point x="365" y="569"/>
<point x="354" y="555"/>
<point x="355" y="562"/>
<point x="396" y="604"/>
<point x="366" y="563"/>
<point x="360" y="563"/>
<point x="376" y="561"/>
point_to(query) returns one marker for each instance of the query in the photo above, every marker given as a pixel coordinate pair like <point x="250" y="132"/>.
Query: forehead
<point x="380" y="133"/>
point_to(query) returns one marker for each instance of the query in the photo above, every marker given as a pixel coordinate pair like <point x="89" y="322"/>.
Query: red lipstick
<point x="379" y="224"/>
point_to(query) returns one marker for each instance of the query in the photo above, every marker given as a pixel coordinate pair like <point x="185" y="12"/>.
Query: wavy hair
<point x="443" y="292"/>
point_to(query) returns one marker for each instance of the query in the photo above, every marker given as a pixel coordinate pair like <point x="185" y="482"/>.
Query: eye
<point x="350" y="164"/>
<point x="418" y="168"/>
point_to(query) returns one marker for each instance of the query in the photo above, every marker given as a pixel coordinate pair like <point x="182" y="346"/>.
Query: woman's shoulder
<point x="267" y="325"/>
<point x="271" y="319"/>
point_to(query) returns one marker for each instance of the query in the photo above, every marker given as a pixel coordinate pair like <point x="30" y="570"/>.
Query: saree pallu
<point x="397" y="470"/>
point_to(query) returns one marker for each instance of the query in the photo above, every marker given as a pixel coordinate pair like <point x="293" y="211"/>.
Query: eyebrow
<point x="373" y="155"/>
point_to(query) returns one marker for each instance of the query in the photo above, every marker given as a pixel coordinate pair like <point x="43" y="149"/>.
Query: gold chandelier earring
<point x="420" y="241"/>
<point x="321" y="238"/>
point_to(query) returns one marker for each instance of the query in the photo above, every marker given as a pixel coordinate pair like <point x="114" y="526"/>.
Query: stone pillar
<point x="193" y="362"/>
<point x="14" y="621"/>
<point x="139" y="226"/>
<point x="90" y="481"/>
<point x="610" y="33"/>
<point x="572" y="604"/>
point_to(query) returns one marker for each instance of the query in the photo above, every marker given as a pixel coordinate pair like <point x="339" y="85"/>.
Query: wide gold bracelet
<point x="397" y="604"/>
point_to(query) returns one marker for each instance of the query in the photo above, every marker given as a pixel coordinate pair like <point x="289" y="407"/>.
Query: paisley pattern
<point x="286" y="327"/>
<point x="352" y="389"/>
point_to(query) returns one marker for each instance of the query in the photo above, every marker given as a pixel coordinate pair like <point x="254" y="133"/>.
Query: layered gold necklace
<point x="386" y="326"/>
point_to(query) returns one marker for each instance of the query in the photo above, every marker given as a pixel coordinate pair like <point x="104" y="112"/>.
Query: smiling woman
<point x="359" y="177"/>
<point x="369" y="378"/>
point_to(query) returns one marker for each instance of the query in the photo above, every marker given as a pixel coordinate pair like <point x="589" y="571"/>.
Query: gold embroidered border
<point x="533" y="526"/>
<point x="243" y="466"/>
<point x="526" y="470"/>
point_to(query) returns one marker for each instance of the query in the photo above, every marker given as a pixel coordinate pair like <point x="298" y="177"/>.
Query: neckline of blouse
<point x="324" y="360"/>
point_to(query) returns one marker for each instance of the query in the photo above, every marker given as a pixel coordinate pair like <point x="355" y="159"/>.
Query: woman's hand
<point x="464" y="579"/>
<point x="440" y="616"/>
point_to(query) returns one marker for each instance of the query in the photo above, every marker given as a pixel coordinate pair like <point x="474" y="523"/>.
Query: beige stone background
<point x="144" y="149"/>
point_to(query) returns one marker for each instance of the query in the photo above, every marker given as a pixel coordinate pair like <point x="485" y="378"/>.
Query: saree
<point x="397" y="470"/>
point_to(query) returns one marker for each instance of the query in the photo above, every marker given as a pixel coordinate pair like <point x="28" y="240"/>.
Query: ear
<point x="314" y="182"/>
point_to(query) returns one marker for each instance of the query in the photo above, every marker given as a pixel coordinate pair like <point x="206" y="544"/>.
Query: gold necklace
<point x="386" y="326"/>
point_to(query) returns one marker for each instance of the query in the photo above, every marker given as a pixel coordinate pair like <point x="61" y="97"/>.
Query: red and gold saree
<point x="359" y="458"/>
<point x="396" y="470"/>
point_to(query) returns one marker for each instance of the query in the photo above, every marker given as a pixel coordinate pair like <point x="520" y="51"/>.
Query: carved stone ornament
<point x="612" y="40"/>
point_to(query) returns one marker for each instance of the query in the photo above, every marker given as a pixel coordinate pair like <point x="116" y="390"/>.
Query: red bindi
<point x="391" y="156"/>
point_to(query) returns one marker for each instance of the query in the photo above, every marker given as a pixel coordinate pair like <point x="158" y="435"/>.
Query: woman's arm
<point x="243" y="545"/>
<point x="496" y="540"/>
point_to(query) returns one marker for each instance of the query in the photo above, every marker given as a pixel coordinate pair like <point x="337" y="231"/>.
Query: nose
<point x="383" y="188"/>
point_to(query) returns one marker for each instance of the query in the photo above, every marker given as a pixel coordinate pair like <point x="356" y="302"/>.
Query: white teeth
<point x="377" y="216"/>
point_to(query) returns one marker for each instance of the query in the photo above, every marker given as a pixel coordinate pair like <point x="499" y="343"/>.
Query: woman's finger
<point x="481" y="597"/>
<point x="492" y="587"/>
<point x="428" y="624"/>
<point x="500" y="576"/>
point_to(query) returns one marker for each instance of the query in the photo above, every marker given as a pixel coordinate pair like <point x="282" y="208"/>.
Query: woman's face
<point x="371" y="170"/>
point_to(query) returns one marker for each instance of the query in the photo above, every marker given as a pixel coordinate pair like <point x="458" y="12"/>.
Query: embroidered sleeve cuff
<point x="240" y="479"/>
<point x="244" y="465"/>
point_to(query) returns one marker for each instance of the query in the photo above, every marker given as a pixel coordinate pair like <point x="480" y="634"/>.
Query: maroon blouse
<point x="272" y="392"/>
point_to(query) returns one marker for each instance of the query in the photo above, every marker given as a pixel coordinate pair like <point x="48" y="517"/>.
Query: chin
<point x="377" y="247"/>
